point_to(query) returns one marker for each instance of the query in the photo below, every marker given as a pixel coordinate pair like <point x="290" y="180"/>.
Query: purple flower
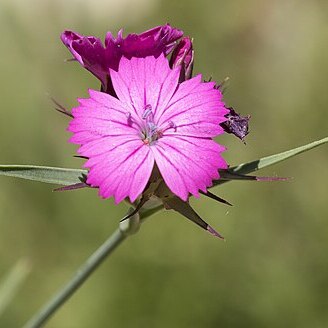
<point x="98" y="58"/>
<point x="155" y="122"/>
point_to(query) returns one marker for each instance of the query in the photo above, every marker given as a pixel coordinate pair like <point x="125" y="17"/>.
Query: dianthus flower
<point x="149" y="131"/>
<point x="154" y="120"/>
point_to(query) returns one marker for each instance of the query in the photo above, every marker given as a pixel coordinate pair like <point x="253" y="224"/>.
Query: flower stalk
<point x="126" y="228"/>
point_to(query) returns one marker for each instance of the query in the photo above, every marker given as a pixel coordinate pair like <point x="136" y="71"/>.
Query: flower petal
<point x="158" y="40"/>
<point x="188" y="164"/>
<point x="145" y="81"/>
<point x="195" y="109"/>
<point x="90" y="53"/>
<point x="122" y="170"/>
<point x="100" y="115"/>
<point x="119" y="161"/>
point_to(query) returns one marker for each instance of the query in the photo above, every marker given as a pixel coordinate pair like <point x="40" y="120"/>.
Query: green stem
<point x="126" y="228"/>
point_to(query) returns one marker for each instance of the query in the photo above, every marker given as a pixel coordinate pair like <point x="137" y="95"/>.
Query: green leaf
<point x="274" y="159"/>
<point x="237" y="172"/>
<point x="46" y="174"/>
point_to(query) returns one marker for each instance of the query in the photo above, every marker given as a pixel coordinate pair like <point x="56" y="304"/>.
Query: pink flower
<point x="98" y="58"/>
<point x="155" y="121"/>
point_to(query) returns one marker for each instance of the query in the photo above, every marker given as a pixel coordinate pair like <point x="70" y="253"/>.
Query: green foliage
<point x="54" y="175"/>
<point x="274" y="159"/>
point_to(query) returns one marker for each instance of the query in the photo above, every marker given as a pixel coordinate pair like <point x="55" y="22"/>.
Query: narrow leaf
<point x="46" y="174"/>
<point x="237" y="172"/>
<point x="274" y="159"/>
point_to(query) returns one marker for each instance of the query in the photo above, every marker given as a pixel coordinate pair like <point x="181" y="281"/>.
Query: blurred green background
<point x="273" y="269"/>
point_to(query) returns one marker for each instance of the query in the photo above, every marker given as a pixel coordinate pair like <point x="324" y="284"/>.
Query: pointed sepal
<point x="136" y="210"/>
<point x="60" y="108"/>
<point x="184" y="208"/>
<point x="215" y="197"/>
<point x="229" y="175"/>
<point x="74" y="186"/>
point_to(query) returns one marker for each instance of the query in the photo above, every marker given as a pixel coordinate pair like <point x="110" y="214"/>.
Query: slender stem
<point x="78" y="279"/>
<point x="126" y="228"/>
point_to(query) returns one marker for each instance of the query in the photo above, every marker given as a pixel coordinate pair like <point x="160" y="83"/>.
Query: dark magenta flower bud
<point x="183" y="55"/>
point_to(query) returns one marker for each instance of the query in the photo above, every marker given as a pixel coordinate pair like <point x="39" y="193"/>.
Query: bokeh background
<point x="273" y="269"/>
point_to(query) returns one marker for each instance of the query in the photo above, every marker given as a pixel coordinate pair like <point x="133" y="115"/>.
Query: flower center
<point x="151" y="132"/>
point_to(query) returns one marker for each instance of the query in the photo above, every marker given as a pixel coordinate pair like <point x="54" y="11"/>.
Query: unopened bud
<point x="183" y="55"/>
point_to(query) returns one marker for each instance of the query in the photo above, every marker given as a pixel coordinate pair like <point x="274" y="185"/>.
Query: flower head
<point x="98" y="58"/>
<point x="154" y="121"/>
